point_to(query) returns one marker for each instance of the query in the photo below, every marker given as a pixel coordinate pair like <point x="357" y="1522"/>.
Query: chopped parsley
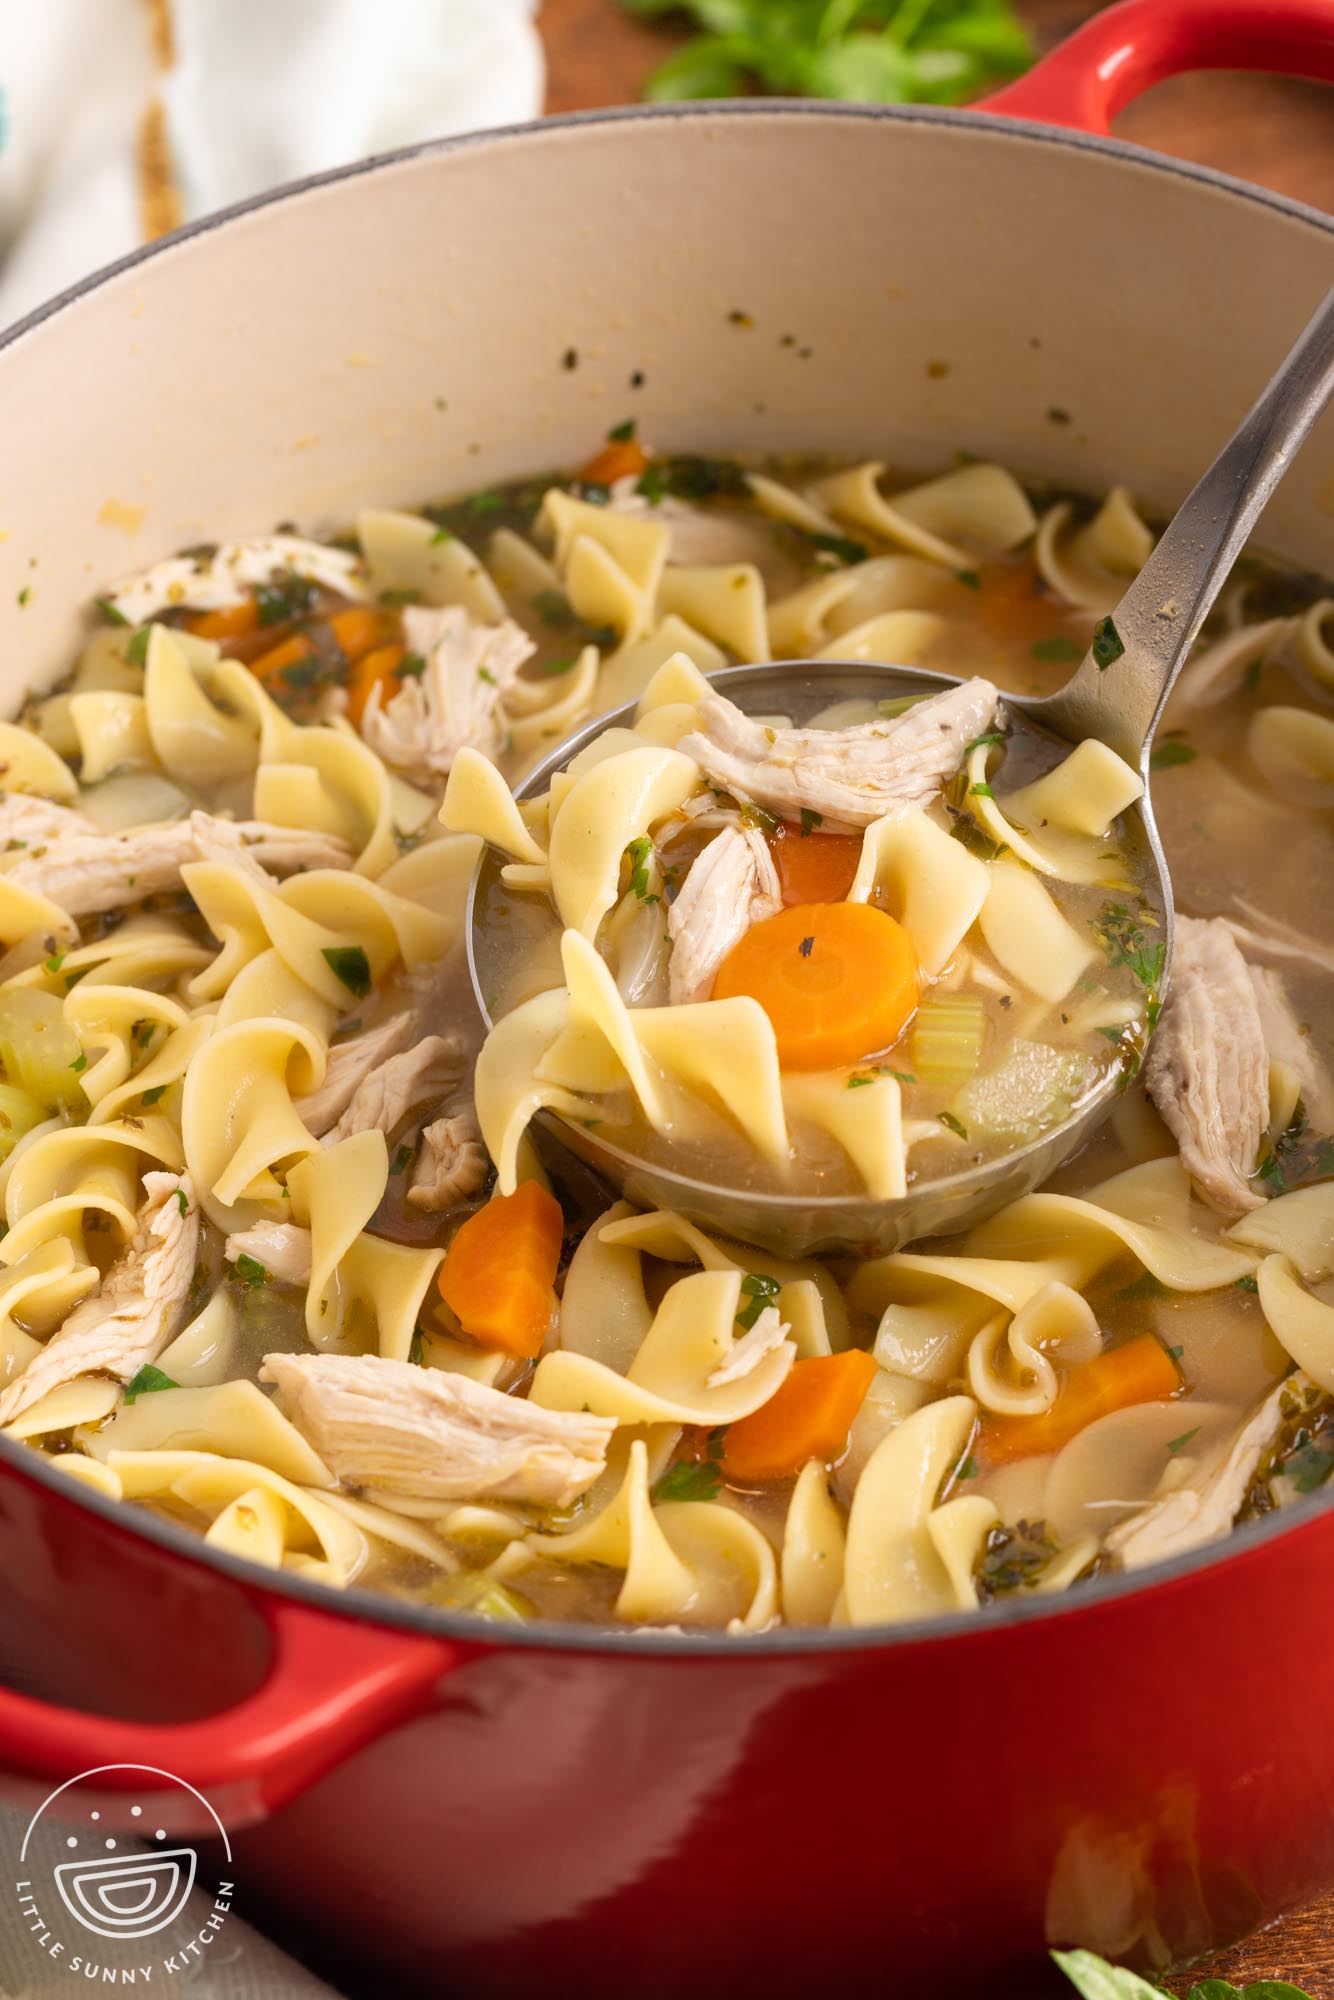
<point x="969" y="578"/>
<point x="156" y="1094"/>
<point x="56" y="960"/>
<point x="1250" y="680"/>
<point x="488" y="501"/>
<point x="80" y="1063"/>
<point x="284" y="599"/>
<point x="1107" y="646"/>
<point x="1057" y="651"/>
<point x="485" y="674"/>
<point x="442" y="534"/>
<point x="112" y="613"/>
<point x="1013" y="1558"/>
<point x="967" y="1468"/>
<point x="980" y="792"/>
<point x="146" y="1380"/>
<point x="136" y="652"/>
<point x="410" y="668"/>
<point x="397" y="599"/>
<point x="349" y="963"/>
<point x="842" y="547"/>
<point x="561" y="666"/>
<point x="810" y="819"/>
<point x="983" y="742"/>
<point x="759" y="1291"/>
<point x="595" y="491"/>
<point x="652" y="483"/>
<point x="954" y="1124"/>
<point x="184" y="1202"/>
<point x="622" y="433"/>
<point x="640" y="856"/>
<point x="1297" y="1156"/>
<point x="1172" y="751"/>
<point x="1178" y="1444"/>
<point x="401" y="1160"/>
<point x="689" y="1479"/>
<point x="1125" y="942"/>
<point x="753" y="815"/>
<point x="417" y="1346"/>
<point x="250" y="1271"/>
<point x="1248" y="1283"/>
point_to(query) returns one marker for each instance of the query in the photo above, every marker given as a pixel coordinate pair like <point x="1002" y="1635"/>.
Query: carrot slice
<point x="808" y="1416"/>
<point x="1139" y="1371"/>
<point x="238" y="621"/>
<point x="499" y="1273"/>
<point x="286" y="654"/>
<point x="378" y="665"/>
<point x="815" y="867"/>
<point x="619" y="458"/>
<point x="839" y="981"/>
<point x="360" y="628"/>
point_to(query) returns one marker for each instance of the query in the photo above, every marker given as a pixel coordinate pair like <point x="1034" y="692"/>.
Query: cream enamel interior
<point x="954" y="280"/>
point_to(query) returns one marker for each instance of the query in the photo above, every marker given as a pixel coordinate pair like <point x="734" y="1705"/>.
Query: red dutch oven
<point x="1145" y="1767"/>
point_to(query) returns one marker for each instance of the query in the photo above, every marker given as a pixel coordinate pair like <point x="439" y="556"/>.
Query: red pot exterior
<point x="1151" y="1774"/>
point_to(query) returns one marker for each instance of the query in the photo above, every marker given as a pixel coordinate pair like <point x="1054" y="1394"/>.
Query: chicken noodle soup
<point x="279" y="1263"/>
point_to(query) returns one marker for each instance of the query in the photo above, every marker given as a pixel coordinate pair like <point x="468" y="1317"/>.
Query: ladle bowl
<point x="801" y="1224"/>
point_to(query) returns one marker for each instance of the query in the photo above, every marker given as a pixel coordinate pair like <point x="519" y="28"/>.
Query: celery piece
<point x="948" y="1035"/>
<point x="1033" y="1089"/>
<point x="18" y="1114"/>
<point x="38" y="1048"/>
<point x="473" y="1590"/>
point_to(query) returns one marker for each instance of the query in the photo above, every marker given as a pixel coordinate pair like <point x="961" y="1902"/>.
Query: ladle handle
<point x="1118" y="697"/>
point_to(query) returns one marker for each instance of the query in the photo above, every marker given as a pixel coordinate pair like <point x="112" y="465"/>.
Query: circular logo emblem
<point x="101" y="1861"/>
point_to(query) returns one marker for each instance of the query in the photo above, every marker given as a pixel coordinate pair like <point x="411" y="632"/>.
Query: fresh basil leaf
<point x="147" y="1380"/>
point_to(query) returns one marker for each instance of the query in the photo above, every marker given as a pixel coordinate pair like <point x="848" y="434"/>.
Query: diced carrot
<point x="238" y="621"/>
<point x="815" y="867"/>
<point x="499" y="1273"/>
<point x="360" y="628"/>
<point x="287" y="653"/>
<point x="372" y="668"/>
<point x="619" y="458"/>
<point x="808" y="1416"/>
<point x="1139" y="1371"/>
<point x="839" y="981"/>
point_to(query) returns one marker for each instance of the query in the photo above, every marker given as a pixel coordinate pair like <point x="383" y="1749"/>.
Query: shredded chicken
<point x="87" y="872"/>
<point x="457" y="698"/>
<point x="769" y="1332"/>
<point x="1288" y="1043"/>
<point x="26" y="821"/>
<point x="405" y="1082"/>
<point x="451" y="1165"/>
<point x="221" y="577"/>
<point x="730" y="886"/>
<point x="348" y="1064"/>
<point x="393" y="1427"/>
<point x="699" y="534"/>
<point x="130" y="1318"/>
<point x="283" y="1248"/>
<point x="849" y="776"/>
<point x="1208" y="1069"/>
<point x="1204" y="1510"/>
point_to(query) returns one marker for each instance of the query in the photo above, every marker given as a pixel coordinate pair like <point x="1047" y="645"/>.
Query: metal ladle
<point x="1117" y="702"/>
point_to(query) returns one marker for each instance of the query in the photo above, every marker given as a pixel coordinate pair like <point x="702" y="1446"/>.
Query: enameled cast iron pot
<point x="566" y="1812"/>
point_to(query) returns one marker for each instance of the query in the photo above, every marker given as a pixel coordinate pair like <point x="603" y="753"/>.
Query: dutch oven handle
<point x="333" y="1684"/>
<point x="1089" y="78"/>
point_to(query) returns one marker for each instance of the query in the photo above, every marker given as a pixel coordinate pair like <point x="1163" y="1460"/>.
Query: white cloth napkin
<point x="260" y="91"/>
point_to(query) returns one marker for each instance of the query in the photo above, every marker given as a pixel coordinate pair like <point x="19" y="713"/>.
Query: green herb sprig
<point x="871" y="51"/>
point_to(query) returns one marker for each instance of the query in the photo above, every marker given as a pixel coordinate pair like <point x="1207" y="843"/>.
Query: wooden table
<point x="1265" y="129"/>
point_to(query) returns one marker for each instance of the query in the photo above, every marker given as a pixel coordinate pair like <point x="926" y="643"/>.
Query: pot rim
<point x="370" y="1607"/>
